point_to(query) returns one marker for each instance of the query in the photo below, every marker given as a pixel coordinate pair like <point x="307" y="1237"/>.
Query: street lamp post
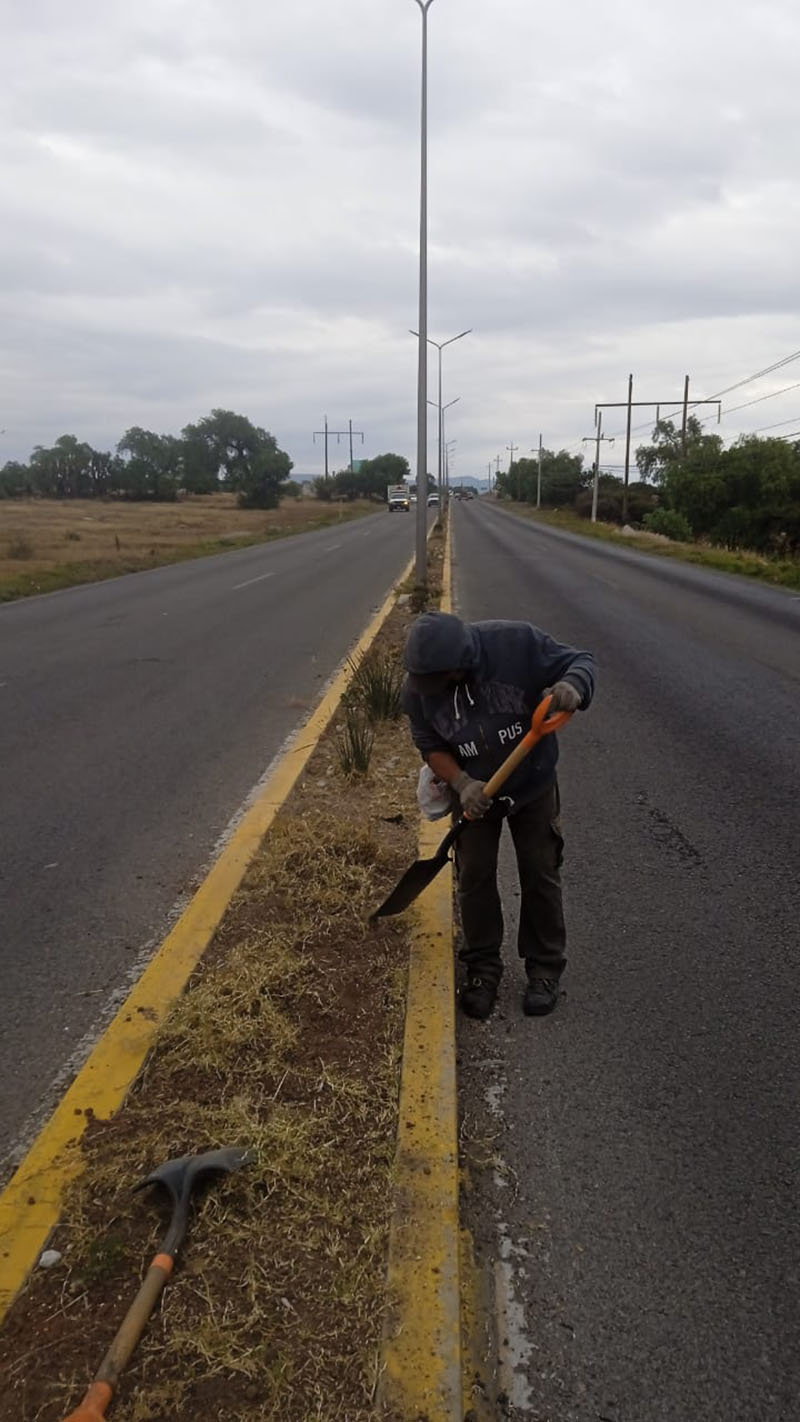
<point x="441" y="408"/>
<point x="440" y="346"/>
<point x="422" y="364"/>
<point x="450" y="443"/>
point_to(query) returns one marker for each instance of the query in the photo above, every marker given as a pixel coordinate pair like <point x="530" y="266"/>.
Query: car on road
<point x="433" y="501"/>
<point x="397" y="498"/>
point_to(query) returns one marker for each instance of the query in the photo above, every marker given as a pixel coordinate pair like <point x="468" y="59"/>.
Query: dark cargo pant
<point x="539" y="845"/>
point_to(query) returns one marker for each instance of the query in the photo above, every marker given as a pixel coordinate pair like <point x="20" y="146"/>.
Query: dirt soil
<point x="51" y="543"/>
<point x="288" y="1040"/>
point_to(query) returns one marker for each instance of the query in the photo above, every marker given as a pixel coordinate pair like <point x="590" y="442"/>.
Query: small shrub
<point x="71" y="536"/>
<point x="354" y="741"/>
<point x="20" y="547"/>
<point x="670" y="523"/>
<point x="376" y="683"/>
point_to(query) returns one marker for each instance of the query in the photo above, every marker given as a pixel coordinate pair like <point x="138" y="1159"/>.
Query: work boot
<point x="541" y="997"/>
<point x="478" y="996"/>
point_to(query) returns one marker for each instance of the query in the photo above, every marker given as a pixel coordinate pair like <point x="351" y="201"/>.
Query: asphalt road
<point x="641" y="1215"/>
<point x="135" y="717"/>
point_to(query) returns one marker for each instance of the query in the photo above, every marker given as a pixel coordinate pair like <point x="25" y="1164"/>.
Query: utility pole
<point x="490" y="476"/>
<point x="512" y="448"/>
<point x="631" y="404"/>
<point x="598" y="438"/>
<point x="627" y="452"/>
<point x="340" y="434"/>
<point x="539" y="477"/>
<point x="685" y="416"/>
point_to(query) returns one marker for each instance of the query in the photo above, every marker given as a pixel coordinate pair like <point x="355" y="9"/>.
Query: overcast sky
<point x="216" y="204"/>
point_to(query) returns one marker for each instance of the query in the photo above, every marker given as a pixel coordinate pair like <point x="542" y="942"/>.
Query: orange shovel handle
<point x="95" y="1403"/>
<point x="541" y="725"/>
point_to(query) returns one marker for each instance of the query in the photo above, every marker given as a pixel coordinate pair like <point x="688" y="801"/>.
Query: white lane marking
<point x="250" y="581"/>
<point x="331" y="547"/>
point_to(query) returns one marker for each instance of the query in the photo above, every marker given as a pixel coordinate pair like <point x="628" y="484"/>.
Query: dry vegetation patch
<point x="49" y="543"/>
<point x="784" y="572"/>
<point x="287" y="1040"/>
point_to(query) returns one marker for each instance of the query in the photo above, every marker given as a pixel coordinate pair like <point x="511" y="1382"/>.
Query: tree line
<point x="221" y="451"/>
<point x="369" y="481"/>
<point x="747" y="496"/>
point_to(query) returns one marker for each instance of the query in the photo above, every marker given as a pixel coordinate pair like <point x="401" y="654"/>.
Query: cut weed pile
<point x="783" y="572"/>
<point x="287" y="1040"/>
<point x="46" y="544"/>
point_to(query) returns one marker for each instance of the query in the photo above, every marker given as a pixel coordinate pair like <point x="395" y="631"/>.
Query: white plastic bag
<point x="434" y="796"/>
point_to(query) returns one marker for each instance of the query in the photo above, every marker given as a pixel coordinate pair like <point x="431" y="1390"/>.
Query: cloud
<point x="213" y="204"/>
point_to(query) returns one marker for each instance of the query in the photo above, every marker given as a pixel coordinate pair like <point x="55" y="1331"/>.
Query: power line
<point x="768" y="369"/>
<point x="790" y="421"/>
<point x="340" y="434"/>
<point x="575" y="445"/>
<point x="773" y="395"/>
<point x="748" y="380"/>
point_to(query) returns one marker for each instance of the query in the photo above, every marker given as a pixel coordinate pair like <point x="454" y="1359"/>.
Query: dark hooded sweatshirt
<point x="505" y="666"/>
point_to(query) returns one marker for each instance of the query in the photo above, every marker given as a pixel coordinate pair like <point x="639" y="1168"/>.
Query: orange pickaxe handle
<point x="541" y="725"/>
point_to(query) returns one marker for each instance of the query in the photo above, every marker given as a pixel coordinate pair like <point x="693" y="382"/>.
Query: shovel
<point x="421" y="874"/>
<point x="179" y="1178"/>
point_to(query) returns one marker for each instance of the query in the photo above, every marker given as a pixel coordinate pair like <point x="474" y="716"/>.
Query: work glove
<point x="470" y="792"/>
<point x="566" y="697"/>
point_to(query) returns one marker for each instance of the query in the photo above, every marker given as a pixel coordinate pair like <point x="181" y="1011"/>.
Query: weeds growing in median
<point x="355" y="739"/>
<point x="376" y="684"/>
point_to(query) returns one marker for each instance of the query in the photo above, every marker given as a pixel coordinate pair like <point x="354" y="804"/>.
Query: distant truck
<point x="397" y="497"/>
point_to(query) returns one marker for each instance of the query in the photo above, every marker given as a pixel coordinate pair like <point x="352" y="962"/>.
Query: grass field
<point x="47" y="544"/>
<point x="785" y="572"/>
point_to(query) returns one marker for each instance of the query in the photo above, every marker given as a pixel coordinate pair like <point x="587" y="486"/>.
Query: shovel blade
<point x="412" y="884"/>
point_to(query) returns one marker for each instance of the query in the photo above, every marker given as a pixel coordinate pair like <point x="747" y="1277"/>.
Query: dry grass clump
<point x="288" y="1041"/>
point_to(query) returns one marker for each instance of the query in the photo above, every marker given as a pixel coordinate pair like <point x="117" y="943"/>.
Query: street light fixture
<point x="440" y="346"/>
<point x="422" y="366"/>
<point x="449" y="444"/>
<point x="441" y="408"/>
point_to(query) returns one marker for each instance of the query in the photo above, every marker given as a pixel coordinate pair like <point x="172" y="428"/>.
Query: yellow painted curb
<point x="30" y="1205"/>
<point x="422" y="1348"/>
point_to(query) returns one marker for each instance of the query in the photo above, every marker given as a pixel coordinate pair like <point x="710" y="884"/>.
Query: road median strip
<point x="422" y="1351"/>
<point x="288" y="1040"/>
